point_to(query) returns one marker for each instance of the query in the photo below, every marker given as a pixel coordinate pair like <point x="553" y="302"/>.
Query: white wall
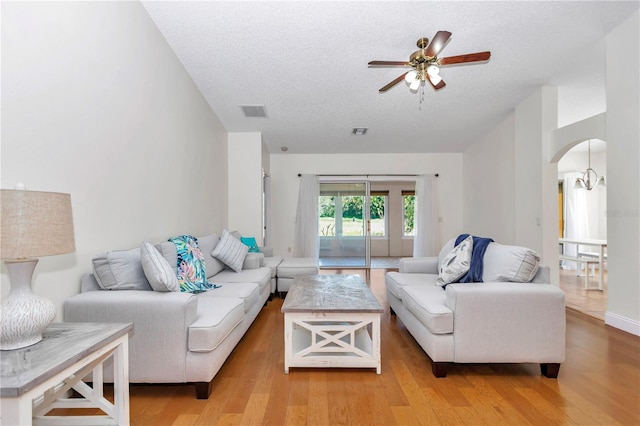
<point x="285" y="184"/>
<point x="489" y="186"/>
<point x="245" y="183"/>
<point x="96" y="104"/>
<point x="623" y="168"/>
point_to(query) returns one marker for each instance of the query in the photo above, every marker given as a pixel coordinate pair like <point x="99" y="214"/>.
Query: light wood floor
<point x="598" y="384"/>
<point x="589" y="302"/>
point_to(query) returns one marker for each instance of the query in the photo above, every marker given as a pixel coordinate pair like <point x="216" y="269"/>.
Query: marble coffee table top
<point x="330" y="293"/>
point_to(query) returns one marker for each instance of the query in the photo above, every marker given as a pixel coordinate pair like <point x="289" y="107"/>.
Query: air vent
<point x="359" y="131"/>
<point x="254" y="111"/>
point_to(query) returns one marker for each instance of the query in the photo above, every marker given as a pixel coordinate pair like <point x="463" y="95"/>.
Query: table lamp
<point x="34" y="224"/>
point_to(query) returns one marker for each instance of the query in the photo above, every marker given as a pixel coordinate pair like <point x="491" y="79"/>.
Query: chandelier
<point x="589" y="179"/>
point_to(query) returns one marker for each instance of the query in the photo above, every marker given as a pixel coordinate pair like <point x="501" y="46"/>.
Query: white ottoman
<point x="289" y="268"/>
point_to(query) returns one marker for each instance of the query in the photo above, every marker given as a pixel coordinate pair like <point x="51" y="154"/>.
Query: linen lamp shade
<point x="35" y="224"/>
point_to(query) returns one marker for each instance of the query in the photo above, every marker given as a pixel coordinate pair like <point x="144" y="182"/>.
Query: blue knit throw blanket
<point x="480" y="244"/>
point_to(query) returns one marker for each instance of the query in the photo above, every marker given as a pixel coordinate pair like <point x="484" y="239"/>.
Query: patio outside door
<point x="344" y="225"/>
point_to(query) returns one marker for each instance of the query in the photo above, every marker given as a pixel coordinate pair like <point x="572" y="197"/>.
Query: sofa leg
<point x="392" y="312"/>
<point x="439" y="369"/>
<point x="550" y="370"/>
<point x="203" y="389"/>
<point x="271" y="296"/>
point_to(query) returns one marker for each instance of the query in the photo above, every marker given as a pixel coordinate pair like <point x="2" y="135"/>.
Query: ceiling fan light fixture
<point x="435" y="79"/>
<point x="411" y="76"/>
<point x="415" y="84"/>
<point x="433" y="71"/>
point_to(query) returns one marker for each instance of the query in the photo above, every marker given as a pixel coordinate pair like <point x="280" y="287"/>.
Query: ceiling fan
<point x="426" y="64"/>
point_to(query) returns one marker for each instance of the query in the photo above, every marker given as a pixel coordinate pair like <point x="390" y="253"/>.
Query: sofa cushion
<point x="160" y="274"/>
<point x="120" y="270"/>
<point x="510" y="263"/>
<point x="207" y="244"/>
<point x="248" y="292"/>
<point x="168" y="251"/>
<point x="396" y="281"/>
<point x="253" y="261"/>
<point x="217" y="317"/>
<point x="230" y="251"/>
<point x="456" y="263"/>
<point x="260" y="276"/>
<point x="429" y="305"/>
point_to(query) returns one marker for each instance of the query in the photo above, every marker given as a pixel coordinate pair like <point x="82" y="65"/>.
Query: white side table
<point x="37" y="378"/>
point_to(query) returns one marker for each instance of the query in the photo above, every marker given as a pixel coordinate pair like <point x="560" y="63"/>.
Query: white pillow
<point x="509" y="263"/>
<point x="230" y="251"/>
<point x="156" y="268"/>
<point x="456" y="263"/>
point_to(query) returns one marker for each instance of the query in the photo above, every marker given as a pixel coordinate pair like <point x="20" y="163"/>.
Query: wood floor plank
<point x="599" y="384"/>
<point x="296" y="415"/>
<point x="318" y="412"/>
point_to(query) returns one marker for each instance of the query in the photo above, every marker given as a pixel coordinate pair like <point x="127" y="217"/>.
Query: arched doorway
<point x="570" y="153"/>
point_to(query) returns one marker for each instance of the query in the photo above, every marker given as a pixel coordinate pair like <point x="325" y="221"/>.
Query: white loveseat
<point x="178" y="337"/>
<point x="495" y="321"/>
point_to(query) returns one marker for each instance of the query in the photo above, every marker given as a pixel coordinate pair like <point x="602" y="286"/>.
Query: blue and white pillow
<point x="456" y="263"/>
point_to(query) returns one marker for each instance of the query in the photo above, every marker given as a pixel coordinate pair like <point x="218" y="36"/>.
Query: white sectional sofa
<point x="495" y="321"/>
<point x="177" y="337"/>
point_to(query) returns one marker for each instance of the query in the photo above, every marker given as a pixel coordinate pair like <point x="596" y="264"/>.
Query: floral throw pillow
<point x="456" y="263"/>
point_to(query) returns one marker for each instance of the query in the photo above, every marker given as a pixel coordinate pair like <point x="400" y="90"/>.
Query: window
<point x="326" y="216"/>
<point x="377" y="208"/>
<point x="350" y="222"/>
<point x="409" y="202"/>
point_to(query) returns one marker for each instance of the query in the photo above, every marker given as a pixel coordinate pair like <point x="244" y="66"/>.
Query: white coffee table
<point x="331" y="321"/>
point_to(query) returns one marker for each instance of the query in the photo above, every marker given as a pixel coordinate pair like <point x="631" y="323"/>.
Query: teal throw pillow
<point x="251" y="243"/>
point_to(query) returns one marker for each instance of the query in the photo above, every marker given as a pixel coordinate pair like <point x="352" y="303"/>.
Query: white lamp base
<point x="24" y="314"/>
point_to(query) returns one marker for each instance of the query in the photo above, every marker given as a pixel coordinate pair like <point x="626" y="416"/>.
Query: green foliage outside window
<point x="409" y="208"/>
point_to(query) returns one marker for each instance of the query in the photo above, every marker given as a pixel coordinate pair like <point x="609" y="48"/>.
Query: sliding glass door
<point x="344" y="224"/>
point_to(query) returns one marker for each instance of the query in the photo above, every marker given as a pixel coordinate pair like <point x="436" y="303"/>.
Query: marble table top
<point x="62" y="345"/>
<point x="330" y="293"/>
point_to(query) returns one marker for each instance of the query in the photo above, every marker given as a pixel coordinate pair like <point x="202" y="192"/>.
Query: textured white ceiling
<point x="307" y="63"/>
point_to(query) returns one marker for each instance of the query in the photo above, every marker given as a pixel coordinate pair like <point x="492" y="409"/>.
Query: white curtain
<point x="306" y="235"/>
<point x="426" y="241"/>
<point x="576" y="219"/>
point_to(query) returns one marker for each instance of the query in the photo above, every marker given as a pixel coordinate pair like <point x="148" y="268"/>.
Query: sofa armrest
<point x="158" y="343"/>
<point x="507" y="322"/>
<point x="419" y="265"/>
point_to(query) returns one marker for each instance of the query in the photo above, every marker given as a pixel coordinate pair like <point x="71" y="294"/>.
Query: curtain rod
<point x="367" y="175"/>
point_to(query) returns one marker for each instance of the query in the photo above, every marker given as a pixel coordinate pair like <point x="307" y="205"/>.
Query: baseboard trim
<point x="622" y="323"/>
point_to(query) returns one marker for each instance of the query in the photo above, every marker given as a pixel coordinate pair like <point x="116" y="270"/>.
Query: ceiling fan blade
<point x="391" y="63"/>
<point x="438" y="86"/>
<point x="437" y="43"/>
<point x="393" y="83"/>
<point x="469" y="57"/>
